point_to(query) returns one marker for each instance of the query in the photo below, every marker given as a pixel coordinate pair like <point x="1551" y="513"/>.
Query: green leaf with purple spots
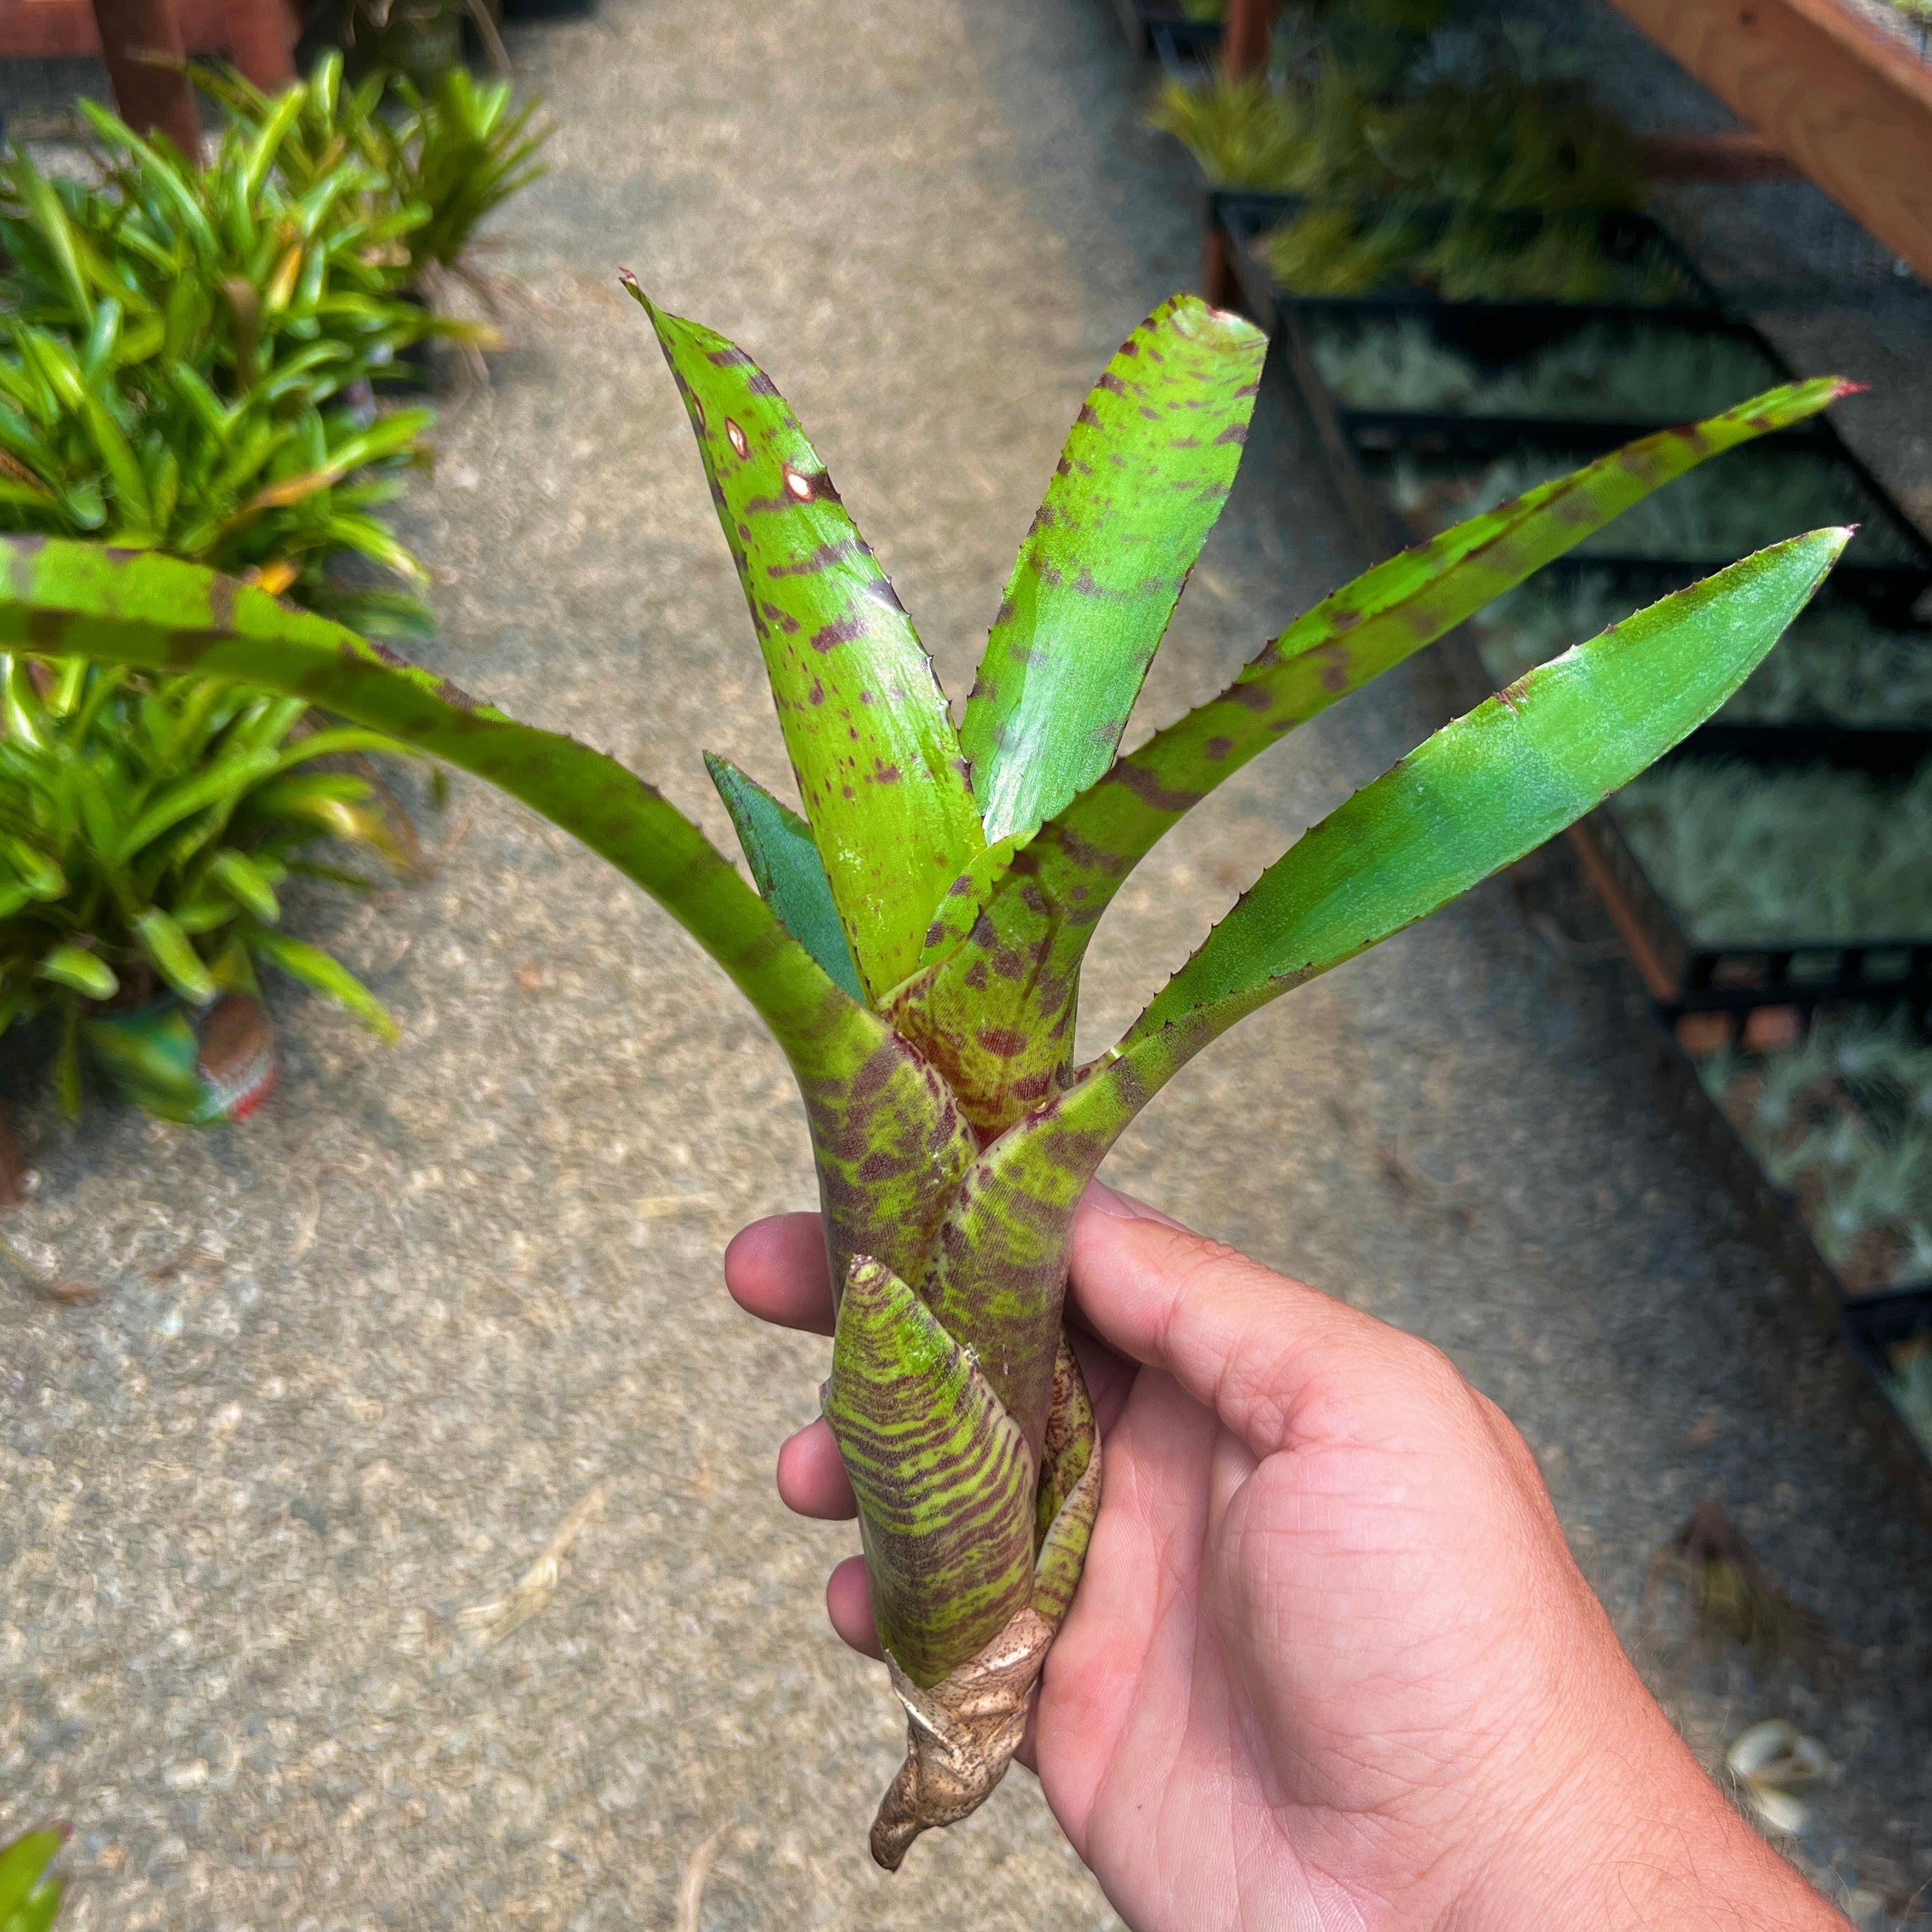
<point x="944" y="1481"/>
<point x="877" y="762"/>
<point x="994" y="1014"/>
<point x="1146" y="469"/>
<point x="1495" y="784"/>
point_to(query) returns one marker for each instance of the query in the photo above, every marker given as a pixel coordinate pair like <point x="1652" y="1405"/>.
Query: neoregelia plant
<point x="915" y="940"/>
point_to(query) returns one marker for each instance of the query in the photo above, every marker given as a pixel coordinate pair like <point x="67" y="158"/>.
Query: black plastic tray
<point x="1185" y="49"/>
<point x="1736" y="977"/>
<point x="1872" y="1324"/>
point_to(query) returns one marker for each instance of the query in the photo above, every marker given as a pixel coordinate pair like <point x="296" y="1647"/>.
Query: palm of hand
<point x="1226" y="1731"/>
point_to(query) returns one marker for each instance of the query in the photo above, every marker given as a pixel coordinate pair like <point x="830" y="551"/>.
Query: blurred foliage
<point x="147" y="825"/>
<point x="186" y="357"/>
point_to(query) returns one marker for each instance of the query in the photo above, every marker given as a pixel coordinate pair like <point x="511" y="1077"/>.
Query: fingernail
<point x="1110" y="1201"/>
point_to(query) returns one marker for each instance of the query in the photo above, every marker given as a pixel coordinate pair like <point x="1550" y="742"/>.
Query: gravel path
<point x="266" y="1503"/>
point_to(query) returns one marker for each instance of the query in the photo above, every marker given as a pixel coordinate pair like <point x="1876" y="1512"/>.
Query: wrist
<point x="1631" y="1833"/>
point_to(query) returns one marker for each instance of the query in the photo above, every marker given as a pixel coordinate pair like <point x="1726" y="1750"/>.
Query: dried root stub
<point x="960" y="1735"/>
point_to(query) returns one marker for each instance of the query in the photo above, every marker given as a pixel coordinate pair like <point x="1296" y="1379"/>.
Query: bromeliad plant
<point x="449" y="155"/>
<point x="185" y="357"/>
<point x="916" y="938"/>
<point x="147" y="826"/>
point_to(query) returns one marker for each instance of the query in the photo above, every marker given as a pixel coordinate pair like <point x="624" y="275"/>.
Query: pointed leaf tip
<point x="1147" y="466"/>
<point x="871" y="744"/>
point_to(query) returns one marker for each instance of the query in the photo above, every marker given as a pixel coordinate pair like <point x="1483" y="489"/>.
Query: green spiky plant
<point x="147" y="826"/>
<point x="916" y="939"/>
<point x="449" y="156"/>
<point x="184" y="354"/>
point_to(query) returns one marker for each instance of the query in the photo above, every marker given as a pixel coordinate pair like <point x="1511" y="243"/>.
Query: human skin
<point x="1331" y="1664"/>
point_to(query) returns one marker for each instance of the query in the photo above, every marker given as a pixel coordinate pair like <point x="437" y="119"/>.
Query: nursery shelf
<point x="1848" y="103"/>
<point x="1871" y="1324"/>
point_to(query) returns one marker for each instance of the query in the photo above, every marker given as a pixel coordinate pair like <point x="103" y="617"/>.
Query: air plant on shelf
<point x="1836" y="665"/>
<point x="1720" y="512"/>
<point x="1604" y="371"/>
<point x="916" y="941"/>
<point x="1469" y="254"/>
<point x="1843" y="1118"/>
<point x="1746" y="856"/>
<point x="148" y="827"/>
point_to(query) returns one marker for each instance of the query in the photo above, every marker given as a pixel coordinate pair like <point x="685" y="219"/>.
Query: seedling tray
<point x="1497" y="346"/>
<point x="1871" y="1324"/>
<point x="1685" y="975"/>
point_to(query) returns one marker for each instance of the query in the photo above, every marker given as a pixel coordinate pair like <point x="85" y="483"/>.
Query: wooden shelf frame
<point x="1848" y="103"/>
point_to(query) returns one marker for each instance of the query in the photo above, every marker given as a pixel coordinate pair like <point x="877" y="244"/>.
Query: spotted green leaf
<point x="1146" y="467"/>
<point x="1002" y="1037"/>
<point x="877" y="762"/>
<point x="1496" y="784"/>
<point x="787" y="869"/>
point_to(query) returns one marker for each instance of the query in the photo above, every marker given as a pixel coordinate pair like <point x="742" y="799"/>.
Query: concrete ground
<point x="448" y="1308"/>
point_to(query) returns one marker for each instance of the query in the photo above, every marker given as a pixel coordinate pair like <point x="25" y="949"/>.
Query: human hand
<point x="1331" y="1663"/>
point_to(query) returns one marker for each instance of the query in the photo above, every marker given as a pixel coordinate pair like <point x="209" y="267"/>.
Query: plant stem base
<point x="961" y="1735"/>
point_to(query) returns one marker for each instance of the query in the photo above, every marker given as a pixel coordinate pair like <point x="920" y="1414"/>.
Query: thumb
<point x="1266" y="1354"/>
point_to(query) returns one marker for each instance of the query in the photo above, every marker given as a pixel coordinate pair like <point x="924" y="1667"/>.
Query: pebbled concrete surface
<point x="354" y="1368"/>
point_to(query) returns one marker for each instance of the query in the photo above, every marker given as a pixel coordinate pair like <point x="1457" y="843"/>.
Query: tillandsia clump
<point x="915" y="938"/>
<point x="1843" y="1118"/>
<point x="1748" y="855"/>
<point x="147" y="826"/>
<point x="1837" y="666"/>
<point x="1605" y="372"/>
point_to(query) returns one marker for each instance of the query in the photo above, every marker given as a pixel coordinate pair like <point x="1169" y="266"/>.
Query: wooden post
<point x="261" y="36"/>
<point x="141" y="42"/>
<point x="1849" y="104"/>
<point x="1247" y="29"/>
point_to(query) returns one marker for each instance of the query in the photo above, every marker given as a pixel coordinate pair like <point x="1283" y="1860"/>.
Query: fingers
<point x="1259" y="1350"/>
<point x="812" y="1480"/>
<point x="775" y="1269"/>
<point x="848" y="1602"/>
